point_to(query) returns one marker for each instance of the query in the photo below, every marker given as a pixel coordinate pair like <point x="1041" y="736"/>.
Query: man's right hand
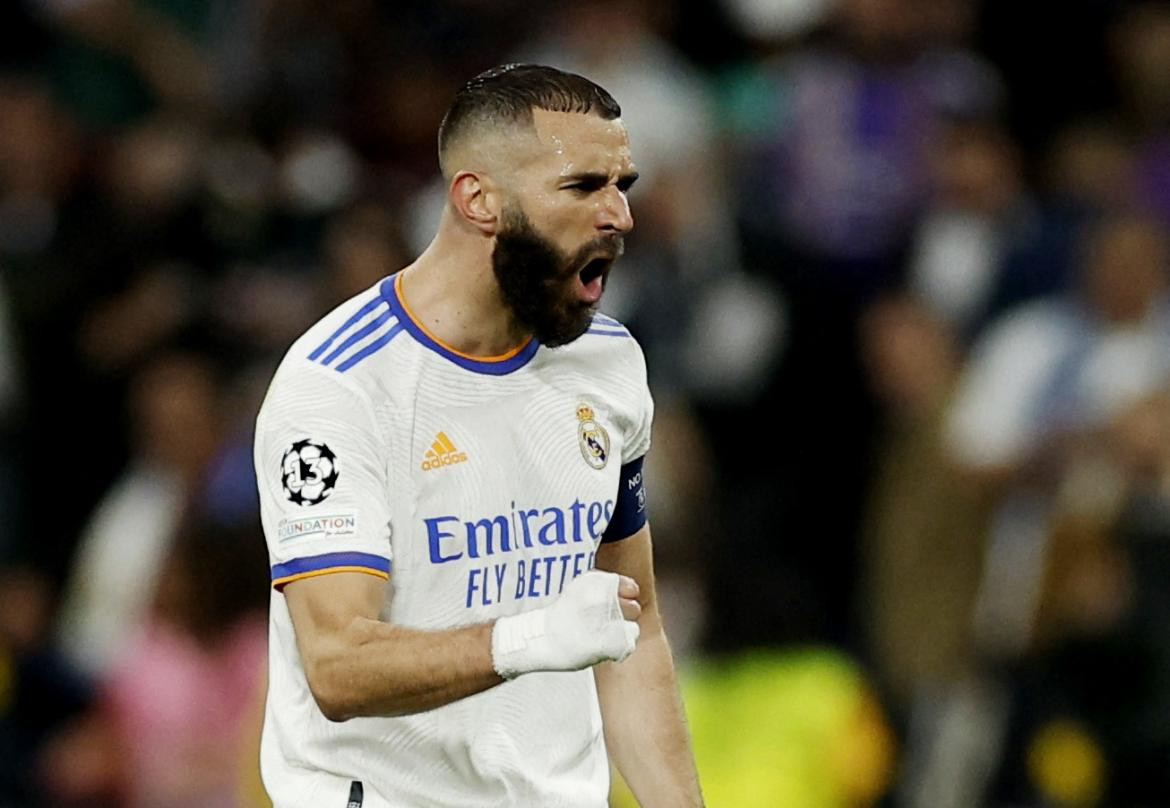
<point x="594" y="620"/>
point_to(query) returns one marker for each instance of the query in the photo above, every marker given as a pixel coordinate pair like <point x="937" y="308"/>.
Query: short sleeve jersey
<point x="478" y="487"/>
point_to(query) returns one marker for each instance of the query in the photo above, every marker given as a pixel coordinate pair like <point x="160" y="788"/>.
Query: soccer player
<point x="450" y="471"/>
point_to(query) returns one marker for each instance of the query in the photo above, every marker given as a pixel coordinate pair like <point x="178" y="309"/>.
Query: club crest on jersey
<point x="309" y="472"/>
<point x="592" y="437"/>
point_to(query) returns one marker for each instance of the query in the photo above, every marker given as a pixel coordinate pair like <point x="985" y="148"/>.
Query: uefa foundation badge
<point x="309" y="472"/>
<point x="592" y="437"/>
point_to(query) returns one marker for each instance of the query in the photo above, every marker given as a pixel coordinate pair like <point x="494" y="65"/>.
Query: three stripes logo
<point x="442" y="453"/>
<point x="369" y="330"/>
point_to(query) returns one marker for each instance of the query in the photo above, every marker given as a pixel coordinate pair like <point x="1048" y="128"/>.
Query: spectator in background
<point x="1068" y="364"/>
<point x="983" y="243"/>
<point x="1044" y="386"/>
<point x="181" y="703"/>
<point x="39" y="691"/>
<point x="39" y="159"/>
<point x="117" y="59"/>
<point x="116" y="278"/>
<point x="836" y="148"/>
<point x="922" y="550"/>
<point x="1090" y="169"/>
<point x="831" y="139"/>
<point x="176" y="421"/>
<point x="1141" y="52"/>
<point x="1038" y="422"/>
<point x="922" y="541"/>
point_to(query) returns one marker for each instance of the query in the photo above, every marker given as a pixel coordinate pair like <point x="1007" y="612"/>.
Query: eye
<point x="626" y="183"/>
<point x="583" y="187"/>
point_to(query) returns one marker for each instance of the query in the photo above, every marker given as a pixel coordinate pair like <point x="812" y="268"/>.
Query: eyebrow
<point x="599" y="178"/>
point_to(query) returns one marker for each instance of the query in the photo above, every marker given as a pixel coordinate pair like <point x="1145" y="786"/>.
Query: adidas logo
<point x="442" y="453"/>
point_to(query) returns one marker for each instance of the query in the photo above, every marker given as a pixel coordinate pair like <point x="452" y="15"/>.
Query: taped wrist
<point x="517" y="641"/>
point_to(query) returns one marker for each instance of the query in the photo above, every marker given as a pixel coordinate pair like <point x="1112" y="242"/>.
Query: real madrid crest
<point x="592" y="437"/>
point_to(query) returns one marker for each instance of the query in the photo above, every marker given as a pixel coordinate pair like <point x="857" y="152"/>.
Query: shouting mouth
<point x="592" y="278"/>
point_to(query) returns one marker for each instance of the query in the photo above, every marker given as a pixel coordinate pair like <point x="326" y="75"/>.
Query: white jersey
<point x="479" y="488"/>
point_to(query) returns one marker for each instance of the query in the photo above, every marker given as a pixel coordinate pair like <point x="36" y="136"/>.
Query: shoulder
<point x="336" y="357"/>
<point x="607" y="345"/>
<point x="348" y="340"/>
<point x="345" y="339"/>
<point x="606" y="326"/>
<point x="608" y="361"/>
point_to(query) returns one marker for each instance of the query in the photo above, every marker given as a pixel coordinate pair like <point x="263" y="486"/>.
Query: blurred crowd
<point x="900" y="273"/>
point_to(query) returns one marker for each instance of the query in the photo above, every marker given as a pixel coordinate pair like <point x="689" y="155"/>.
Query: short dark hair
<point x="507" y="95"/>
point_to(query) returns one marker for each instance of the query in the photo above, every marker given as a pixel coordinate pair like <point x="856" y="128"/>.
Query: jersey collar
<point x="490" y="365"/>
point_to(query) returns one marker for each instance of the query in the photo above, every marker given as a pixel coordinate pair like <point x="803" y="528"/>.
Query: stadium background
<point x="912" y="536"/>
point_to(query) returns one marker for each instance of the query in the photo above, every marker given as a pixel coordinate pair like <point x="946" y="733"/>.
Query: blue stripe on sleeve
<point x="365" y="330"/>
<point x="630" y="513"/>
<point x="373" y="347"/>
<point x="362" y="312"/>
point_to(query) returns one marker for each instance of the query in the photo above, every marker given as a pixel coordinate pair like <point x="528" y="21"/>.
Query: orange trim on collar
<point x="414" y="319"/>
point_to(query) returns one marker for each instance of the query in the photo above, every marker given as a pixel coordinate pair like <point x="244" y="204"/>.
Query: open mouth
<point x="594" y="269"/>
<point x="592" y="277"/>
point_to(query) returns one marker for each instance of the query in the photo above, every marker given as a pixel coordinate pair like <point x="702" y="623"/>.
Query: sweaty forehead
<point x="570" y="142"/>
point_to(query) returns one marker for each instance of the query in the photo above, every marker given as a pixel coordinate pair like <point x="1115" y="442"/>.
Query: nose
<point x="614" y="214"/>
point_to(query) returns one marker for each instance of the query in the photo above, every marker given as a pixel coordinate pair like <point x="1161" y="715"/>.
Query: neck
<point x="452" y="293"/>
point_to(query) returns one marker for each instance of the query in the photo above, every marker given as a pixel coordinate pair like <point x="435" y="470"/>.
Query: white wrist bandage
<point x="582" y="627"/>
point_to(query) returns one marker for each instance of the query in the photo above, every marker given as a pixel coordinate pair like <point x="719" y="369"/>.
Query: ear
<point x="472" y="196"/>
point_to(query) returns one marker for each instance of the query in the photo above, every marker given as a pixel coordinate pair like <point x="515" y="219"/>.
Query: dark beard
<point x="536" y="279"/>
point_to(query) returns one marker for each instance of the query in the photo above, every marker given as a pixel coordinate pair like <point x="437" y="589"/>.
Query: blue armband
<point x="630" y="512"/>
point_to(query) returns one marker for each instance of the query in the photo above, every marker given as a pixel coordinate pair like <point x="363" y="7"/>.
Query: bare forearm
<point x="376" y="668"/>
<point x="357" y="665"/>
<point x="645" y="728"/>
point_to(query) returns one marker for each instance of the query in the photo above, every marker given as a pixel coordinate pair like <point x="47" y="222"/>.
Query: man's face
<point x="563" y="226"/>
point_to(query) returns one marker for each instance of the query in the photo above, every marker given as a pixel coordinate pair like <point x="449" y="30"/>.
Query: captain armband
<point x="630" y="513"/>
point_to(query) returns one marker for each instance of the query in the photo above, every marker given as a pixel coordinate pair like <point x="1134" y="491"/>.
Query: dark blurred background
<point x="900" y="273"/>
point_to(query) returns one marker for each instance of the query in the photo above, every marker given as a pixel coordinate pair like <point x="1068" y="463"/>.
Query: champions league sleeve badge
<point x="309" y="471"/>
<point x="592" y="437"/>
